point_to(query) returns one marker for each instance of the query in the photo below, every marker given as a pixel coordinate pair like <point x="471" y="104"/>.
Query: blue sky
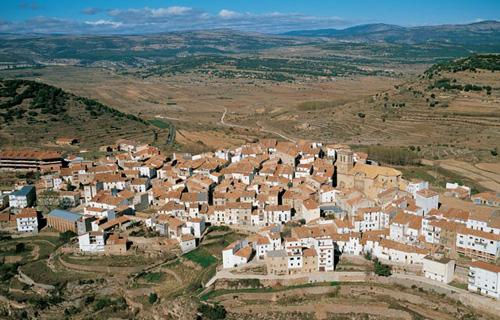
<point x="272" y="16"/>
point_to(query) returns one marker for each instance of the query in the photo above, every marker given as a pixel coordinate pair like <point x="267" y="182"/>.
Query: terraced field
<point x="346" y="301"/>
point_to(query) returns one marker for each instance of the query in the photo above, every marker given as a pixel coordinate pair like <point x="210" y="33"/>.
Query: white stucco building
<point x="484" y="278"/>
<point x="427" y="200"/>
<point x="23" y="198"/>
<point x="92" y="242"/>
<point x="27" y="221"/>
<point x="439" y="268"/>
<point x="236" y="254"/>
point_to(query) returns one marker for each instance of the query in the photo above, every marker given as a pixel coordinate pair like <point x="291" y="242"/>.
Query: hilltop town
<point x="268" y="211"/>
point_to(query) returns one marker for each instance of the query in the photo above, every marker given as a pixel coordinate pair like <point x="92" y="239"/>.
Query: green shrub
<point x="212" y="312"/>
<point x="66" y="236"/>
<point x="381" y="269"/>
<point x="153" y="297"/>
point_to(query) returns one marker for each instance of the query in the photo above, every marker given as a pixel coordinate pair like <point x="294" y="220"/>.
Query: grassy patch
<point x="159" y="124"/>
<point x="417" y="173"/>
<point x="41" y="273"/>
<point x="201" y="257"/>
<point x="153" y="277"/>
<point x="114" y="261"/>
<point x="459" y="285"/>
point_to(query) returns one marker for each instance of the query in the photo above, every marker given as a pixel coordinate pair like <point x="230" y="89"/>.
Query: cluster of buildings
<point x="336" y="198"/>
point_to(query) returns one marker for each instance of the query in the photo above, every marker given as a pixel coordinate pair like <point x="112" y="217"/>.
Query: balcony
<point x="482" y="244"/>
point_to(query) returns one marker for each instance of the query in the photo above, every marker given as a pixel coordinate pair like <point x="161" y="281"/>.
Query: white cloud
<point x="226" y="14"/>
<point x="105" y="23"/>
<point x="165" y="12"/>
<point x="154" y="20"/>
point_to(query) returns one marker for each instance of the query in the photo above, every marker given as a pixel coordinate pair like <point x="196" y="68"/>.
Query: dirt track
<point x="486" y="174"/>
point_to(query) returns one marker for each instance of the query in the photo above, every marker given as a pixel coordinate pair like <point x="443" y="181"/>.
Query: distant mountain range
<point x="126" y="51"/>
<point x="486" y="32"/>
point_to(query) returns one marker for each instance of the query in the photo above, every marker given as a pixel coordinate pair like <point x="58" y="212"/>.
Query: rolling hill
<point x="134" y="51"/>
<point x="486" y="32"/>
<point x="116" y="51"/>
<point x="34" y="114"/>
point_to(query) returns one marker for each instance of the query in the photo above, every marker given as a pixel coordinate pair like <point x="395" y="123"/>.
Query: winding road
<point x="245" y="127"/>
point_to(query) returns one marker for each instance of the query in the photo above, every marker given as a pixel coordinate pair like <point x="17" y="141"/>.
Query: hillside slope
<point x="34" y="114"/>
<point x="451" y="110"/>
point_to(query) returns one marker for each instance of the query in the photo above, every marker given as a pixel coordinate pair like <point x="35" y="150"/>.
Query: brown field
<point x="347" y="301"/>
<point x="486" y="174"/>
<point x="195" y="103"/>
<point x="464" y="125"/>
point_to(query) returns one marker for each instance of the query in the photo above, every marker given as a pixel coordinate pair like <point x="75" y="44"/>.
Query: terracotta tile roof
<point x="478" y="233"/>
<point x="114" y="222"/>
<point x="483" y="214"/>
<point x="187" y="237"/>
<point x="488" y="196"/>
<point x="427" y="193"/>
<point x="372" y="172"/>
<point x="390" y="244"/>
<point x="310" y="204"/>
<point x="263" y="241"/>
<point x="309" y="253"/>
<point x="27" y="213"/>
<point x="30" y="154"/>
<point x="244" y="252"/>
<point x="373" y="235"/>
<point x="485" y="266"/>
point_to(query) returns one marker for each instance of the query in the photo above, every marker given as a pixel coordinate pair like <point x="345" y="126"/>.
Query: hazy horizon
<point x="150" y="16"/>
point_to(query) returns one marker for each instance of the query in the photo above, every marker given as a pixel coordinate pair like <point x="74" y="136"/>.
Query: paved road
<point x="171" y="135"/>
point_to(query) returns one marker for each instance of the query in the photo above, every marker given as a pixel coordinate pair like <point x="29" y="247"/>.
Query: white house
<point x="400" y="252"/>
<point x="439" y="268"/>
<point x="328" y="194"/>
<point x="262" y="246"/>
<point x="478" y="244"/>
<point x="187" y="242"/>
<point x="276" y="214"/>
<point x="367" y="219"/>
<point x="414" y="187"/>
<point x="27" y="221"/>
<point x="52" y="182"/>
<point x="310" y="210"/>
<point x="484" y="278"/>
<point x="427" y="200"/>
<point x="455" y="189"/>
<point x="197" y="226"/>
<point x="326" y="253"/>
<point x="237" y="253"/>
<point x="23" y="198"/>
<point x="92" y="242"/>
<point x="484" y="219"/>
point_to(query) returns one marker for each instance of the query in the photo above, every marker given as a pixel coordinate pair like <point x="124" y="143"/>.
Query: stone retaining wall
<point x="24" y="278"/>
